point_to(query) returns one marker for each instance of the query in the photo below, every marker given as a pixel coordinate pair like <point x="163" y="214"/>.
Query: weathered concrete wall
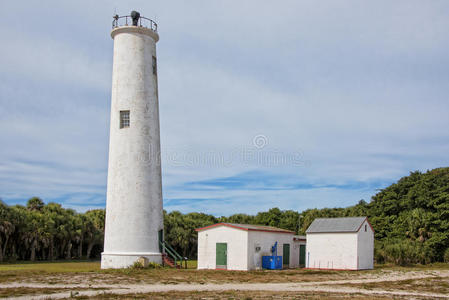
<point x="331" y="250"/>
<point x="237" y="240"/>
<point x="134" y="189"/>
<point x="365" y="246"/>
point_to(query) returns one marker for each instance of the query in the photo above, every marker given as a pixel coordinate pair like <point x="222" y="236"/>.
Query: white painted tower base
<point x="134" y="217"/>
<point x="124" y="260"/>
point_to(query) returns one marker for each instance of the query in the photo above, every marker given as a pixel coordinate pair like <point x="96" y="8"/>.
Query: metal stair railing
<point x="171" y="254"/>
<point x="174" y="255"/>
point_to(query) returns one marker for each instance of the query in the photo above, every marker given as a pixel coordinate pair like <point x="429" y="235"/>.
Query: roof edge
<point x="367" y="221"/>
<point x="242" y="228"/>
<point x="344" y="231"/>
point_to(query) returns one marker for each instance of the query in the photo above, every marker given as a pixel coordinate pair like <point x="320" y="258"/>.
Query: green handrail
<point x="172" y="252"/>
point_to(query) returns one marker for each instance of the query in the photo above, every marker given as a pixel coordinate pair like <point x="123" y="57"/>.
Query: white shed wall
<point x="365" y="246"/>
<point x="332" y="250"/>
<point x="237" y="248"/>
<point x="265" y="240"/>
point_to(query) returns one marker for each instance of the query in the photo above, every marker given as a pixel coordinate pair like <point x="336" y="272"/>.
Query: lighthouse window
<point x="154" y="65"/>
<point x="124" y="118"/>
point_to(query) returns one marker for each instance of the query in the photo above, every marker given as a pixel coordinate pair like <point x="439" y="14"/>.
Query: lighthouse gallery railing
<point x="128" y="21"/>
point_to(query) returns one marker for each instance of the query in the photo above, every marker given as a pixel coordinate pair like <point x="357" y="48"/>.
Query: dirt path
<point x="321" y="286"/>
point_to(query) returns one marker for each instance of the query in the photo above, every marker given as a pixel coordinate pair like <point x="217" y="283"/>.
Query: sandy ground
<point x="334" y="286"/>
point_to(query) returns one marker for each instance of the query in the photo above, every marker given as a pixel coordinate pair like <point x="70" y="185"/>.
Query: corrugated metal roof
<point x="336" y="225"/>
<point x="248" y="227"/>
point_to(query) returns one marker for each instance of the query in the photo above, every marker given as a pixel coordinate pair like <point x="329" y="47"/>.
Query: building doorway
<point x="221" y="256"/>
<point x="286" y="255"/>
<point x="302" y="256"/>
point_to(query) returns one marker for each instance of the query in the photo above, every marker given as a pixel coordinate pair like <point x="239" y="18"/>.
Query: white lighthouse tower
<point x="134" y="218"/>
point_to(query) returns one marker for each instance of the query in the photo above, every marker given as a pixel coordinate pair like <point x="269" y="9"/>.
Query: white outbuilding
<point x="340" y="243"/>
<point x="241" y="246"/>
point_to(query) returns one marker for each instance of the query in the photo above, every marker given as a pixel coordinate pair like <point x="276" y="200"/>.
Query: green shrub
<point x="379" y="253"/>
<point x="137" y="266"/>
<point x="151" y="265"/>
<point x="402" y="252"/>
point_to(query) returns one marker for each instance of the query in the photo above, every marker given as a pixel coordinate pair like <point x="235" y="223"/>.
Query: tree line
<point x="41" y="231"/>
<point x="410" y="219"/>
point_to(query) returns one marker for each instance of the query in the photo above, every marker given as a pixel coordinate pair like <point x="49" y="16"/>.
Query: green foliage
<point x="180" y="230"/>
<point x="411" y="218"/>
<point x="153" y="265"/>
<point x="48" y="231"/>
<point x="138" y="265"/>
<point x="35" y="203"/>
<point x="287" y="219"/>
<point x="400" y="252"/>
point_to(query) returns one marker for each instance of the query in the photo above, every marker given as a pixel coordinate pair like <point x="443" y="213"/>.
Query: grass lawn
<point x="64" y="266"/>
<point x="94" y="266"/>
<point x="192" y="264"/>
<point x="52" y="267"/>
<point x="79" y="271"/>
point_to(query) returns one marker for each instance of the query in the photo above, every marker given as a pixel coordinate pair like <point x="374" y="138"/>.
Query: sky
<point x="289" y="104"/>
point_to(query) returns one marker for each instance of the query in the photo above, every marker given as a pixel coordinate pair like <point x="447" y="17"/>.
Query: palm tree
<point x="48" y="233"/>
<point x="80" y="230"/>
<point x="7" y="228"/>
<point x="35" y="220"/>
<point x="54" y="218"/>
<point x="35" y="203"/>
<point x="94" y="229"/>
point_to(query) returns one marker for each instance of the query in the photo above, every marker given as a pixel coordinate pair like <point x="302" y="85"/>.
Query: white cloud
<point x="44" y="58"/>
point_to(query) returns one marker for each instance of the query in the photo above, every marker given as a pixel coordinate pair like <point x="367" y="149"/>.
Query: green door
<point x="286" y="254"/>
<point x="161" y="239"/>
<point x="221" y="255"/>
<point x="302" y="256"/>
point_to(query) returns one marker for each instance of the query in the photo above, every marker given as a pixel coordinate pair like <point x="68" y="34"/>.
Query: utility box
<point x="272" y="262"/>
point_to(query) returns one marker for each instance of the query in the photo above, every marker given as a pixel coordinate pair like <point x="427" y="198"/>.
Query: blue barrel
<point x="272" y="262"/>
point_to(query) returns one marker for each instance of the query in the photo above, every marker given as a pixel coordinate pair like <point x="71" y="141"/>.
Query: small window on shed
<point x="154" y="65"/>
<point x="365" y="227"/>
<point x="124" y="118"/>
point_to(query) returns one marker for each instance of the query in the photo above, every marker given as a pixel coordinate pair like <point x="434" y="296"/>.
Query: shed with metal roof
<point x="241" y="246"/>
<point x="340" y="243"/>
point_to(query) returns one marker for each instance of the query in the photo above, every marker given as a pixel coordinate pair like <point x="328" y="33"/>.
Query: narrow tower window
<point x="365" y="228"/>
<point x="124" y="118"/>
<point x="154" y="65"/>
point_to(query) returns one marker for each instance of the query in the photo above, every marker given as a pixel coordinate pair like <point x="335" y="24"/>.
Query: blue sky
<point x="289" y="104"/>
